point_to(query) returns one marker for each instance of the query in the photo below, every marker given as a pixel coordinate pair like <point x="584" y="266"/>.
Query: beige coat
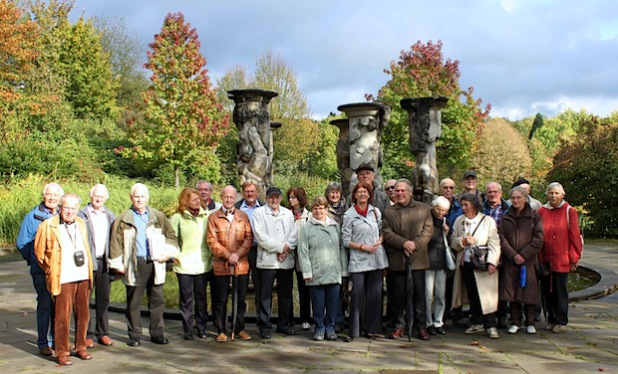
<point x="486" y="234"/>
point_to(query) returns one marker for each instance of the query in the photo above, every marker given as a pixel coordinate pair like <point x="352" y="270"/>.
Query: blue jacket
<point x="454" y="212"/>
<point x="505" y="207"/>
<point x="27" y="233"/>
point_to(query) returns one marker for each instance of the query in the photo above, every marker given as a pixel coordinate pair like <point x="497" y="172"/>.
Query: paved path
<point x="589" y="345"/>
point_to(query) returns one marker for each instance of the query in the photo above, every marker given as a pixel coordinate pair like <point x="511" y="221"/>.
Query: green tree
<point x="183" y="120"/>
<point x="587" y="167"/>
<point x="322" y="161"/>
<point x="423" y="72"/>
<point x="87" y="69"/>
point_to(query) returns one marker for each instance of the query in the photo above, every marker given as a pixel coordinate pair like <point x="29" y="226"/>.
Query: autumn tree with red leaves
<point x="182" y="119"/>
<point x="421" y="72"/>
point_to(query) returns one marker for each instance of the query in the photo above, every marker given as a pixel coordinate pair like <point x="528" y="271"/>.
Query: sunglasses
<point x="390" y="188"/>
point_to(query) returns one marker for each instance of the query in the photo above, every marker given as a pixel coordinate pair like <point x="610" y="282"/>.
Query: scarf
<point x="361" y="212"/>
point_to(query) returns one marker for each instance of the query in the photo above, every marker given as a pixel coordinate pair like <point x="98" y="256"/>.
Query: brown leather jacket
<point x="225" y="238"/>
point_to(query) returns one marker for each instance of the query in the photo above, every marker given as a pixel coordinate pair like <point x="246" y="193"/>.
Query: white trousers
<point x="435" y="285"/>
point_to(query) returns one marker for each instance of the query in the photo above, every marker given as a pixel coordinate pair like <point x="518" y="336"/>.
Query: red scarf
<point x="362" y="212"/>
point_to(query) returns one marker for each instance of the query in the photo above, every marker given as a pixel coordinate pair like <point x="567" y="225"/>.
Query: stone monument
<point x="254" y="150"/>
<point x="425" y="128"/>
<point x="366" y="121"/>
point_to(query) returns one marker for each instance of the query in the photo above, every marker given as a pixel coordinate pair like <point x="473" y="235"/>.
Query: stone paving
<point x="589" y="345"/>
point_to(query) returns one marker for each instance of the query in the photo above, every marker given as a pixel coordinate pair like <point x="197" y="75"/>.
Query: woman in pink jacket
<point x="562" y="249"/>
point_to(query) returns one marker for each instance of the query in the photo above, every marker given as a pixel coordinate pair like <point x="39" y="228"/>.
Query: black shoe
<point x="371" y="336"/>
<point x="159" y="340"/>
<point x="265" y="335"/>
<point x="502" y="323"/>
<point x="338" y="327"/>
<point x="133" y="343"/>
<point x="431" y="330"/>
<point x="440" y="330"/>
<point x="331" y="335"/>
<point x="286" y="331"/>
<point x="348" y="339"/>
<point x="188" y="336"/>
<point x="201" y="334"/>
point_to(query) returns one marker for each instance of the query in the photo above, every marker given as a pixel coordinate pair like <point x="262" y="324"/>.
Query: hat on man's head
<point x="365" y="166"/>
<point x="469" y="173"/>
<point x="519" y="182"/>
<point x="273" y="191"/>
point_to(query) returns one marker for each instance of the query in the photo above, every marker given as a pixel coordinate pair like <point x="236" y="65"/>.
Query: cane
<point x="234" y="299"/>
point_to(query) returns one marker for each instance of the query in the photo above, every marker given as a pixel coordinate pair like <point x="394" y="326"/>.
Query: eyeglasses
<point x="449" y="187"/>
<point x="390" y="188"/>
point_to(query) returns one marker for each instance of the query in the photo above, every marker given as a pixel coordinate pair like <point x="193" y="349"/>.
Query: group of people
<point x="472" y="248"/>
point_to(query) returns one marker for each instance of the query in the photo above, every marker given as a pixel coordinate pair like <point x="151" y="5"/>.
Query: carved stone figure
<point x="366" y="121"/>
<point x="343" y="152"/>
<point x="254" y="148"/>
<point x="425" y="124"/>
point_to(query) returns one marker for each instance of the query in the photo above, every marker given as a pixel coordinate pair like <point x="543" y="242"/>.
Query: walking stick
<point x="234" y="299"/>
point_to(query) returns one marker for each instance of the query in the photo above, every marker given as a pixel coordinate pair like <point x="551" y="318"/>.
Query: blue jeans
<point x="325" y="302"/>
<point x="44" y="308"/>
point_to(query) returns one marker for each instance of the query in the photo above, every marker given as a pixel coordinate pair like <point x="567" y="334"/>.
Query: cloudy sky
<point x="521" y="56"/>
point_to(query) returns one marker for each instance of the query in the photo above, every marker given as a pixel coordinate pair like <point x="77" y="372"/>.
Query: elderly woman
<point x="435" y="276"/>
<point x="323" y="262"/>
<point x="521" y="239"/>
<point x="193" y="267"/>
<point x="473" y="232"/>
<point x="562" y="249"/>
<point x="298" y="201"/>
<point x="336" y="202"/>
<point x="361" y="233"/>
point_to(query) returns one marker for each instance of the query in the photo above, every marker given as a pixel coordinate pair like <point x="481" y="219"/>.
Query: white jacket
<point x="272" y="231"/>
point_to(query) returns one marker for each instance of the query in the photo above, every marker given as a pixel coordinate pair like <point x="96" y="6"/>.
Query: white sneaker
<point x="492" y="332"/>
<point x="474" y="329"/>
<point x="559" y="329"/>
<point x="306" y="326"/>
<point x="531" y="329"/>
<point x="513" y="329"/>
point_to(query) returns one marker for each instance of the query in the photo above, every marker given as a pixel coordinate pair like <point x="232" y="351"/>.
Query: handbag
<point x="450" y="258"/>
<point x="478" y="255"/>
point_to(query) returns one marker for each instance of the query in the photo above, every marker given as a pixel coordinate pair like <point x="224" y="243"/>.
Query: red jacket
<point x="562" y="245"/>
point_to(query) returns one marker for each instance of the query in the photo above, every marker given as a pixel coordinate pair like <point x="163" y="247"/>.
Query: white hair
<point x="101" y="188"/>
<point x="53" y="186"/>
<point x="442" y="202"/>
<point x="140" y="186"/>
<point x="555" y="186"/>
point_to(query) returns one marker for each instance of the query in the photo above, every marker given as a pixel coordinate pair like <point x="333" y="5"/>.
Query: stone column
<point x="254" y="151"/>
<point x="343" y="152"/>
<point x="425" y="124"/>
<point x="366" y="121"/>
<point x="269" y="173"/>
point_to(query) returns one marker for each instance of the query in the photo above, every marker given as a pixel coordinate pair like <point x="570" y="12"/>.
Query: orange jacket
<point x="48" y="251"/>
<point x="225" y="238"/>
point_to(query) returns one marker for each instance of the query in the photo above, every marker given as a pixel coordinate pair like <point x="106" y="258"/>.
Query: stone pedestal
<point x="366" y="121"/>
<point x="254" y="150"/>
<point x="425" y="128"/>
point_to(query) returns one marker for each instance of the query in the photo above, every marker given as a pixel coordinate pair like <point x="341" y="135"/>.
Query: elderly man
<point x="495" y="207"/>
<point x="407" y="229"/>
<point x="469" y="182"/>
<point x="141" y="241"/>
<point x="230" y="238"/>
<point x="366" y="174"/>
<point x="205" y="190"/>
<point x="63" y="252"/>
<point x="447" y="189"/>
<point x="52" y="193"/>
<point x="389" y="187"/>
<point x="99" y="219"/>
<point x="525" y="184"/>
<point x="276" y="236"/>
<point x="248" y="204"/>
